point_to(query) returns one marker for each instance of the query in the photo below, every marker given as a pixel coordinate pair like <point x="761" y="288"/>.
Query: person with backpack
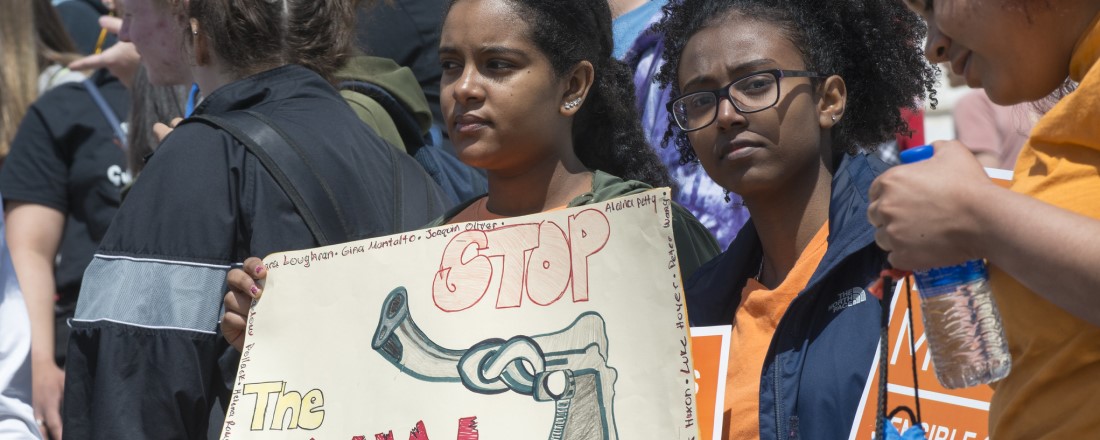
<point x="542" y="113"/>
<point x="274" y="159"/>
<point x="772" y="99"/>
<point x="407" y="34"/>
<point x="387" y="98"/>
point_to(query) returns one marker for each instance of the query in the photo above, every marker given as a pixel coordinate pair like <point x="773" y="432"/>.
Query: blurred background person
<point x="407" y="32"/>
<point x="994" y="133"/>
<point x="121" y="58"/>
<point x="722" y="212"/>
<point x="16" y="415"/>
<point x="34" y="50"/>
<point x="80" y="18"/>
<point x="61" y="181"/>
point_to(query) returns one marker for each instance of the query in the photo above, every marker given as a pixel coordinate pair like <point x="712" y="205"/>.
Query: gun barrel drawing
<point x="568" y="367"/>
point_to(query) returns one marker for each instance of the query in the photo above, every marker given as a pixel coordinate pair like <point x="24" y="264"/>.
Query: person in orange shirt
<point x="776" y="100"/>
<point x="1041" y="236"/>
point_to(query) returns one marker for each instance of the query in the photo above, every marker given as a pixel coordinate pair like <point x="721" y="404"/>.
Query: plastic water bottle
<point x="961" y="320"/>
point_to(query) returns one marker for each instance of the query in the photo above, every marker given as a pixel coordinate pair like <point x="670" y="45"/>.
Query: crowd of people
<point x="235" y="129"/>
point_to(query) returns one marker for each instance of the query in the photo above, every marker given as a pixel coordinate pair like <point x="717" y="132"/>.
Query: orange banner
<point x="710" y="348"/>
<point x="961" y="414"/>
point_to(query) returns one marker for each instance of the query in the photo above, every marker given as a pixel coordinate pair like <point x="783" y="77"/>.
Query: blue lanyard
<point x="192" y="96"/>
<point x="108" y="113"/>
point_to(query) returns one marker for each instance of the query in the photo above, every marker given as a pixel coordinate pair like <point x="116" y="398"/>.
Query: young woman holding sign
<point x="145" y="359"/>
<point x="1042" y="236"/>
<point x="776" y="100"/>
<point x="539" y="103"/>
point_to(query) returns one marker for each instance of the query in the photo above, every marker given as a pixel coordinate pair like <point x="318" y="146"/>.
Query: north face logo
<point x="847" y="299"/>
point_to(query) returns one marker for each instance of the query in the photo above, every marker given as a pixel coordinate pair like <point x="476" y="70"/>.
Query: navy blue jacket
<point x="817" y="365"/>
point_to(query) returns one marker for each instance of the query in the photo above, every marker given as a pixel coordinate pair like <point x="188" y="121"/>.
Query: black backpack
<point x="417" y="199"/>
<point x="460" y="182"/>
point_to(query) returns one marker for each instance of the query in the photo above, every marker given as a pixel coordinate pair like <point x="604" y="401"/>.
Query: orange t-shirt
<point x="754" y="324"/>
<point x="1053" y="390"/>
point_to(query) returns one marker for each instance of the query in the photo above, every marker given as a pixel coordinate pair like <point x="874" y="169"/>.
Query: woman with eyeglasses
<point x="777" y="100"/>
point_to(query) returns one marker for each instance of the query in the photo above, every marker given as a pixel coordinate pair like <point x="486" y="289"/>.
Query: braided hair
<point x="607" y="132"/>
<point x="874" y="45"/>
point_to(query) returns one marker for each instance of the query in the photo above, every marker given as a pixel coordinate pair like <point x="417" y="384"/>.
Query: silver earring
<point x="834" y="119"/>
<point x="572" y="104"/>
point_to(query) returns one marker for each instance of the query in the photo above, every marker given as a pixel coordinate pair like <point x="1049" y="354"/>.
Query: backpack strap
<point x="112" y="118"/>
<point x="415" y="193"/>
<point x="404" y="171"/>
<point x="286" y="163"/>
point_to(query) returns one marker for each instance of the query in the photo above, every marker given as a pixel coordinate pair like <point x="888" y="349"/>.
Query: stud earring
<point x="834" y="119"/>
<point x="572" y="104"/>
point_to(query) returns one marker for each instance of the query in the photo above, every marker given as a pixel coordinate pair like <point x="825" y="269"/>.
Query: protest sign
<point x="569" y="325"/>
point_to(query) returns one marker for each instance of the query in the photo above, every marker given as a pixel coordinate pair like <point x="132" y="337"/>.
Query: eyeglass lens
<point x="749" y="94"/>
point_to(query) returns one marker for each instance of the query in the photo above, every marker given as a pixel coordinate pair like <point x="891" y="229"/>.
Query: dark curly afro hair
<point x="874" y="45"/>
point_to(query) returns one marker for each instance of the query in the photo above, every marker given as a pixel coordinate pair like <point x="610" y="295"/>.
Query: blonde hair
<point x="18" y="68"/>
<point x="23" y="22"/>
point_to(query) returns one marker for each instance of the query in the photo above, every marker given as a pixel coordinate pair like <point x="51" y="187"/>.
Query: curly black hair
<point x="874" y="45"/>
<point x="607" y="132"/>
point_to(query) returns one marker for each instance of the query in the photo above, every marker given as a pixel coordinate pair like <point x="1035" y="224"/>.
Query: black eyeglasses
<point x="749" y="94"/>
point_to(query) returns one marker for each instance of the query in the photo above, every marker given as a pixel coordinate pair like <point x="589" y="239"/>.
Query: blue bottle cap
<point x="943" y="280"/>
<point x="916" y="154"/>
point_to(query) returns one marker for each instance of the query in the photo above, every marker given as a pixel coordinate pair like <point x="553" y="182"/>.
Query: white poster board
<point x="566" y="325"/>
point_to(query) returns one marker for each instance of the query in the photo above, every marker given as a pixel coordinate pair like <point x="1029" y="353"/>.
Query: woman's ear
<point x="834" y="99"/>
<point x="577" y="84"/>
<point x="200" y="44"/>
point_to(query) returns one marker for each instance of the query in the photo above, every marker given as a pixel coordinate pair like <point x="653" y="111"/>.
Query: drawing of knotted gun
<point x="568" y="367"/>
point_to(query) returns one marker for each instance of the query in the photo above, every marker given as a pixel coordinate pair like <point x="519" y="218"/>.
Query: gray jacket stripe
<point x="152" y="293"/>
